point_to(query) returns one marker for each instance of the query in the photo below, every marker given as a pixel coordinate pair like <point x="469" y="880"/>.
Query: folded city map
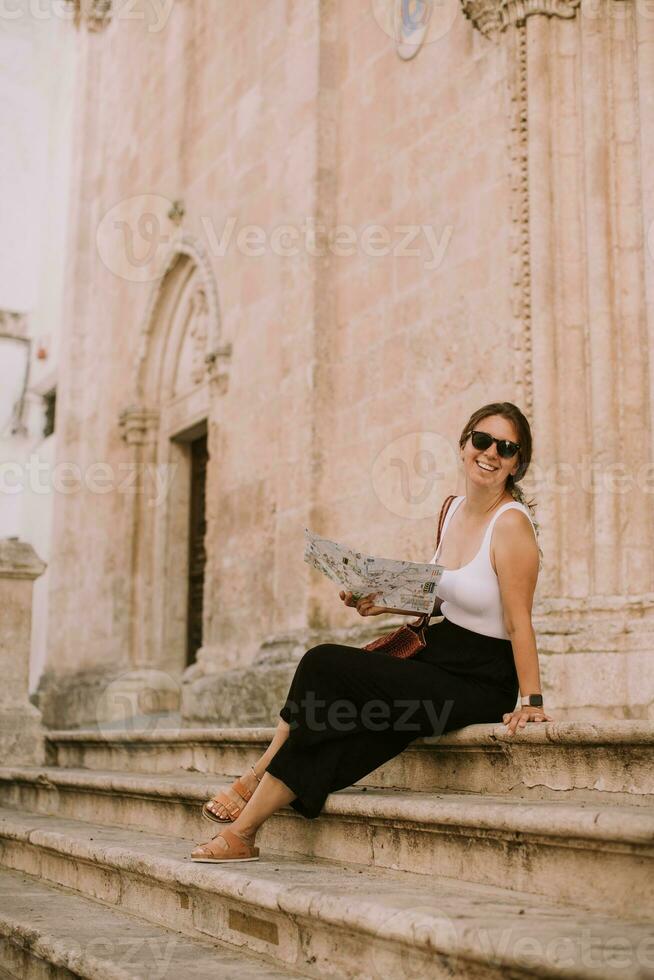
<point x="406" y="585"/>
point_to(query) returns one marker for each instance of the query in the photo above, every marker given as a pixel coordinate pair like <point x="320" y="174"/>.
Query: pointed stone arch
<point x="186" y="252"/>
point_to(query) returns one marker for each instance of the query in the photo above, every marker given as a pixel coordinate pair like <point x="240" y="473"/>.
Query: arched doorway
<point x="169" y="428"/>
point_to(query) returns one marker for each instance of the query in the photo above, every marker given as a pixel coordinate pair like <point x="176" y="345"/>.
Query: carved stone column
<point x="21" y="736"/>
<point x="644" y="42"/>
<point x="139" y="427"/>
<point x="581" y="153"/>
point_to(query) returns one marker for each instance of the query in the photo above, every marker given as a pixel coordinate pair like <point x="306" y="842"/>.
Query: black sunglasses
<point x="482" y="440"/>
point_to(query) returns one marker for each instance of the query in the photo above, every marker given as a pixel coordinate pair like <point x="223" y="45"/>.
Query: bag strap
<point x="443" y="515"/>
<point x="425" y="617"/>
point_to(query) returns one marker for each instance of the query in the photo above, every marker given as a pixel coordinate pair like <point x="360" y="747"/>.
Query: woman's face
<point x="484" y="466"/>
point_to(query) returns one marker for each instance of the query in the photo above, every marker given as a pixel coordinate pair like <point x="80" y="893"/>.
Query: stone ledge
<point x="580" y="762"/>
<point x="18" y="559"/>
<point x="590" y="822"/>
<point x="543" y="733"/>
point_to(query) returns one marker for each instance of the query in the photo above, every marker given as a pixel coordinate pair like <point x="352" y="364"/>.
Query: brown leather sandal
<point x="233" y="808"/>
<point x="237" y="850"/>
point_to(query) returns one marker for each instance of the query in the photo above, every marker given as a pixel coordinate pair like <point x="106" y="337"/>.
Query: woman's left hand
<point x="365" y="605"/>
<point x="519" y="718"/>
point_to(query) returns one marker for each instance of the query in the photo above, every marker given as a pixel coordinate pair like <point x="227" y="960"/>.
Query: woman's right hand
<point x="364" y="606"/>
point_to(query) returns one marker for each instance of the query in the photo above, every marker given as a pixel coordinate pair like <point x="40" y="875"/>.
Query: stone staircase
<point x="471" y="855"/>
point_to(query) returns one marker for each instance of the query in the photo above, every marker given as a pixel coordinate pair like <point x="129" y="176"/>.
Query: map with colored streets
<point x="407" y="585"/>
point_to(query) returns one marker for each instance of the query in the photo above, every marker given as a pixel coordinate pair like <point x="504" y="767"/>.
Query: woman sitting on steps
<point x="475" y="661"/>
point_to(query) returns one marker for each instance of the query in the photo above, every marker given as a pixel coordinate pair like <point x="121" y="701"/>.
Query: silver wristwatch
<point x="532" y="701"/>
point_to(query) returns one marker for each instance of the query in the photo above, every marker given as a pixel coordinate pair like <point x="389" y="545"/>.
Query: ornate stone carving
<point x="138" y="425"/>
<point x="177" y="212"/>
<point x="96" y="14"/>
<point x="195" y="363"/>
<point x="517" y="95"/>
<point x="198" y="336"/>
<point x="13" y="324"/>
<point x="493" y="16"/>
<point x="217" y="363"/>
<point x="19" y="560"/>
<point x="183" y="245"/>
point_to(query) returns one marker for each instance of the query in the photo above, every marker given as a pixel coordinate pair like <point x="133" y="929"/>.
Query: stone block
<point x="21" y="736"/>
<point x="242" y="696"/>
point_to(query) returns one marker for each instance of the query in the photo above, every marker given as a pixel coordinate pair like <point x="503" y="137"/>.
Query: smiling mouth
<point x="486" y="469"/>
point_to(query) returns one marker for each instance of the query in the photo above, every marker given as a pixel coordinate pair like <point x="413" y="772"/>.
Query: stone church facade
<point x="309" y="239"/>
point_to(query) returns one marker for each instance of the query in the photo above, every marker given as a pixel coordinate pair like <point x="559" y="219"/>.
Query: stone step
<point x="587" y="760"/>
<point x="330" y="918"/>
<point x="50" y="932"/>
<point x="551" y="848"/>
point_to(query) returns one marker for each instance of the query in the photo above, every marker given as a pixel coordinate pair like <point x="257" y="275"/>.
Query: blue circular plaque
<point x="411" y="25"/>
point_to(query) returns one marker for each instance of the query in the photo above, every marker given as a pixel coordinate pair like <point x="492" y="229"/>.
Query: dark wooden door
<point x="197" y="552"/>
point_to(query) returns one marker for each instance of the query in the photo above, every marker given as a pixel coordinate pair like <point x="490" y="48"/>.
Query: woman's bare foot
<point x="249" y="781"/>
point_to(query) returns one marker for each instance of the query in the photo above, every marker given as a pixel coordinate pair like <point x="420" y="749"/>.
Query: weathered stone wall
<point x="340" y="371"/>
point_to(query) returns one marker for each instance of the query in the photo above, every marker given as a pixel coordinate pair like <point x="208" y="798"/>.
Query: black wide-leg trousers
<point x="350" y="710"/>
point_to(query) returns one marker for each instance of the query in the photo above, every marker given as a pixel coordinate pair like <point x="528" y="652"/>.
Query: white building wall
<point x="38" y="61"/>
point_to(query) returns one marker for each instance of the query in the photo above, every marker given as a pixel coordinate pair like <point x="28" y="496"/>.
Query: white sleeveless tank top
<point x="471" y="594"/>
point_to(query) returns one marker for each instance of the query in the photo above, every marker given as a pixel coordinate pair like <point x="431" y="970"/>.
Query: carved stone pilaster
<point x="138" y="425"/>
<point x="493" y="16"/>
<point x="520" y="233"/>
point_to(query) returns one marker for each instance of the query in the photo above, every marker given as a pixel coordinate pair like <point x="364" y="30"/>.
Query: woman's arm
<point x="516" y="562"/>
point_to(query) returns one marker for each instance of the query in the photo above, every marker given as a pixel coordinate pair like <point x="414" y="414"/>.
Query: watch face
<point x="536" y="700"/>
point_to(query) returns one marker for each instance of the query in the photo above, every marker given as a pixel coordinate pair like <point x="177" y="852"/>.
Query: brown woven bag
<point x="408" y="639"/>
